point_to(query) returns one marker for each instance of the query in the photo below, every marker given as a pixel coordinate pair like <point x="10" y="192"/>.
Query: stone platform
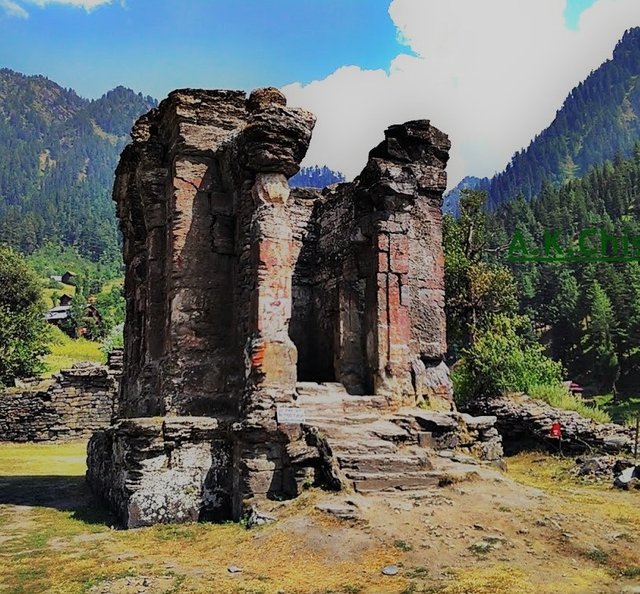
<point x="185" y="469"/>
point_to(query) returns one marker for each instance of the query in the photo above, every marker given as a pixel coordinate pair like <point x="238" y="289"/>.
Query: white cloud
<point x="88" y="5"/>
<point x="491" y="74"/>
<point x="14" y="10"/>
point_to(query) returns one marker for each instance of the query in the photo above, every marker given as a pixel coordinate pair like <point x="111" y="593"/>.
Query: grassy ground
<point x="542" y="531"/>
<point x="49" y="294"/>
<point x="66" y="351"/>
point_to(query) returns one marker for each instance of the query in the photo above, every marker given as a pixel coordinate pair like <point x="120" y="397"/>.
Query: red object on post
<point x="556" y="431"/>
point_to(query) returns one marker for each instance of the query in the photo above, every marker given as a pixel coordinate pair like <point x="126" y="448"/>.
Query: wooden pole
<point x="635" y="447"/>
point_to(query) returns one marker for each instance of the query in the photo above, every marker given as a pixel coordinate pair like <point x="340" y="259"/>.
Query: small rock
<point x="234" y="569"/>
<point x="390" y="570"/>
<point x="257" y="518"/>
<point x="625" y="479"/>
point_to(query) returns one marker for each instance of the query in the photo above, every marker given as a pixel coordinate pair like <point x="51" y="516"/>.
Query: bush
<point x="503" y="359"/>
<point x="559" y="397"/>
<point x="23" y="331"/>
<point x="113" y="340"/>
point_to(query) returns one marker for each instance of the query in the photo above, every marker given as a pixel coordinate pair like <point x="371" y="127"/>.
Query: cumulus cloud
<point x="491" y="74"/>
<point x="14" y="9"/>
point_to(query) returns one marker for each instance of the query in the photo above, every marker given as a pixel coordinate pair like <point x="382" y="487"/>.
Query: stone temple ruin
<point x="275" y="336"/>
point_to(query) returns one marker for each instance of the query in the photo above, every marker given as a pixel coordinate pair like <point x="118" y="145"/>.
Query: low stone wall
<point x="525" y="423"/>
<point x="72" y="405"/>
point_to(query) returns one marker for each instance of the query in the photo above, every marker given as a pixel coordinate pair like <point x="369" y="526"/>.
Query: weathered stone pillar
<point x="406" y="335"/>
<point x="391" y="323"/>
<point x="271" y="353"/>
<point x="271" y="146"/>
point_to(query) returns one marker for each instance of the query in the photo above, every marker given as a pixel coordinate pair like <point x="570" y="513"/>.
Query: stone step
<point x="403" y="481"/>
<point x="384" y="463"/>
<point x="313" y="417"/>
<point x="353" y="445"/>
<point x="314" y="389"/>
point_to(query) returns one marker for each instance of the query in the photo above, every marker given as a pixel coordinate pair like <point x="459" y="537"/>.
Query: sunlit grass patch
<point x="489" y="580"/>
<point x="65" y="352"/>
<point x="551" y="474"/>
<point x="625" y="411"/>
<point x="29" y="459"/>
<point x="52" y="296"/>
<point x="58" y="540"/>
<point x="560" y="397"/>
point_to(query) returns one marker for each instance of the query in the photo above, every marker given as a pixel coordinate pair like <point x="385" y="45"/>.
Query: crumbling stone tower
<point x="238" y="287"/>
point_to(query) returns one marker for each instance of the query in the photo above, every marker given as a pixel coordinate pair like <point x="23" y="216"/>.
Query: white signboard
<point x="290" y="416"/>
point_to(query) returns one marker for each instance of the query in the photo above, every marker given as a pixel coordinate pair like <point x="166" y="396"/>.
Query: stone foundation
<point x="185" y="469"/>
<point x="151" y="471"/>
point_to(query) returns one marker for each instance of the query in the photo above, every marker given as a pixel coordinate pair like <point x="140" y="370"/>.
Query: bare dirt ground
<point x="534" y="528"/>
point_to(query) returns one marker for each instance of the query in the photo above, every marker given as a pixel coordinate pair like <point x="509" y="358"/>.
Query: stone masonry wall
<point x="368" y="284"/>
<point x="77" y="402"/>
<point x="525" y="423"/>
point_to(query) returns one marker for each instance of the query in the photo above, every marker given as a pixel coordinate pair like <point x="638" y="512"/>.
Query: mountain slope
<point x="452" y="197"/>
<point x="599" y="118"/>
<point x="58" y="152"/>
<point x="315" y="177"/>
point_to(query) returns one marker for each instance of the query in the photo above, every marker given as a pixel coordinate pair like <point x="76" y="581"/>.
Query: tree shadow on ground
<point x="64" y="493"/>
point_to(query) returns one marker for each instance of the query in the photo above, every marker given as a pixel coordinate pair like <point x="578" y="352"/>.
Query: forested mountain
<point x="315" y="177"/>
<point x="58" y="153"/>
<point x="452" y="197"/>
<point x="599" y="118"/>
<point x="586" y="312"/>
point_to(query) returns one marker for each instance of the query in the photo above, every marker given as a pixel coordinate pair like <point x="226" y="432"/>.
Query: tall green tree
<point x="475" y="287"/>
<point x="23" y="332"/>
<point x="598" y="337"/>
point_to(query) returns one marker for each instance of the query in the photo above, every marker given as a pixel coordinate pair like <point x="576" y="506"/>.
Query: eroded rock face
<point x="238" y="288"/>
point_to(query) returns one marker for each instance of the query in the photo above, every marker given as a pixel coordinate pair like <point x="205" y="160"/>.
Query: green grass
<point x="624" y="412"/>
<point x="110" y="284"/>
<point x="560" y="397"/>
<point x="48" y="294"/>
<point x="66" y="351"/>
<point x="55" y="537"/>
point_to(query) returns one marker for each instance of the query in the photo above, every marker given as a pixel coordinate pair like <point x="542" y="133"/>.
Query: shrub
<point x="503" y="359"/>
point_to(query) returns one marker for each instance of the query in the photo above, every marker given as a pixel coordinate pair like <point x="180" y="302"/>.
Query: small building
<point x="65" y="300"/>
<point x="57" y="314"/>
<point x="68" y="278"/>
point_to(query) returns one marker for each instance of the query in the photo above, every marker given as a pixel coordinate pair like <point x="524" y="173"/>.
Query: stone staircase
<point x="380" y="449"/>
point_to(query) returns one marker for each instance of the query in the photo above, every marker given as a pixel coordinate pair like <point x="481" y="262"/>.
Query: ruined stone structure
<point x="72" y="405"/>
<point x="524" y="423"/>
<point x="238" y="288"/>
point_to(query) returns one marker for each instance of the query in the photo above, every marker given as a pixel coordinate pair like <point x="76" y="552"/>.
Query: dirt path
<point x="532" y="529"/>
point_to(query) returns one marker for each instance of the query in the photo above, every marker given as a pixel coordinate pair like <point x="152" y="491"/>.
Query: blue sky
<point x="490" y="73"/>
<point x="156" y="45"/>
